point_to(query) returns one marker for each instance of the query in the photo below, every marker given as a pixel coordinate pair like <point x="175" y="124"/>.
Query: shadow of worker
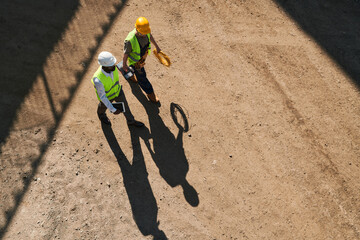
<point x="136" y="182"/>
<point x="168" y="154"/>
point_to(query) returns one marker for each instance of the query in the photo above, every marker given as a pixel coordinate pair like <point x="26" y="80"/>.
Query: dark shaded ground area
<point x="29" y="33"/>
<point x="25" y="47"/>
<point x="168" y="155"/>
<point x="136" y="182"/>
<point x="335" y="26"/>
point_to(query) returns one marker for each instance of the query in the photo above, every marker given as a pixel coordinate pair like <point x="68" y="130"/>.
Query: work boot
<point x="153" y="97"/>
<point x="135" y="123"/>
<point x="104" y="119"/>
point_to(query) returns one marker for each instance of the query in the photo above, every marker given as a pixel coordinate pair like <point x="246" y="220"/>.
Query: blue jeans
<point x="143" y="81"/>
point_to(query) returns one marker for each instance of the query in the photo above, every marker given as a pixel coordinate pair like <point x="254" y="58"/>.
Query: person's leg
<point x="128" y="115"/>
<point x="145" y="84"/>
<point x="101" y="113"/>
<point x="143" y="80"/>
<point x="101" y="109"/>
<point x="122" y="98"/>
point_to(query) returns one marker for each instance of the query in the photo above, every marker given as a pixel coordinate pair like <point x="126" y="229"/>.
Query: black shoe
<point x="104" y="119"/>
<point x="135" y="123"/>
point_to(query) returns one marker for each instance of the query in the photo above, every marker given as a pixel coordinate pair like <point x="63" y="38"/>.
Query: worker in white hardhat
<point x="108" y="89"/>
<point x="137" y="46"/>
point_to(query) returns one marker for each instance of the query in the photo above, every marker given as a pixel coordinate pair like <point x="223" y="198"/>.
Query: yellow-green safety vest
<point x="112" y="87"/>
<point x="134" y="56"/>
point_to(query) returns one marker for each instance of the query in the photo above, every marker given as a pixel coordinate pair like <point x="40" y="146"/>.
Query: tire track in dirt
<point x="268" y="38"/>
<point x="328" y="168"/>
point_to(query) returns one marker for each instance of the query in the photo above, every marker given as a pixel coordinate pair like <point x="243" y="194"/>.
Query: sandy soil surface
<point x="257" y="135"/>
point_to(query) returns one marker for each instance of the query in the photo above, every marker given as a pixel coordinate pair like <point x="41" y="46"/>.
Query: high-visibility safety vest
<point x="134" y="56"/>
<point x="112" y="87"/>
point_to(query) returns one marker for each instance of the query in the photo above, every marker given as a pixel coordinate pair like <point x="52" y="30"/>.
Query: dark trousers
<point x="143" y="80"/>
<point x="121" y="98"/>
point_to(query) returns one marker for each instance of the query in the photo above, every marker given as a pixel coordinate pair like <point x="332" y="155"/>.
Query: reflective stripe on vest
<point x="112" y="87"/>
<point x="135" y="54"/>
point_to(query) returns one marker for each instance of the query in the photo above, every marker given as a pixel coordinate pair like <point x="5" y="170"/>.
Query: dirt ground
<point x="257" y="135"/>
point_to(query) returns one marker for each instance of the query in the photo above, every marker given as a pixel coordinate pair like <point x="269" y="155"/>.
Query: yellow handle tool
<point x="163" y="58"/>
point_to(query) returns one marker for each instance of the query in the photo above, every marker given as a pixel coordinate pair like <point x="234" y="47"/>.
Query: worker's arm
<point x="125" y="66"/>
<point x="152" y="39"/>
<point x="101" y="92"/>
<point x="127" y="51"/>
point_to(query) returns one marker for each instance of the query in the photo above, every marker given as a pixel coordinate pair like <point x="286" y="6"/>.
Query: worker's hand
<point x="139" y="64"/>
<point x="125" y="68"/>
<point x="117" y="111"/>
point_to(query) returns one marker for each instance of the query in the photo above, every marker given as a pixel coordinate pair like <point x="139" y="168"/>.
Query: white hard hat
<point x="106" y="59"/>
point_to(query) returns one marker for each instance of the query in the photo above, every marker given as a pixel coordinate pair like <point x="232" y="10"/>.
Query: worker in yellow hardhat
<point x="137" y="46"/>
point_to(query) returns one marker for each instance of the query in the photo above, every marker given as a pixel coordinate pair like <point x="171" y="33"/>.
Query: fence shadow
<point x="24" y="49"/>
<point x="136" y="182"/>
<point x="168" y="153"/>
<point x="335" y="26"/>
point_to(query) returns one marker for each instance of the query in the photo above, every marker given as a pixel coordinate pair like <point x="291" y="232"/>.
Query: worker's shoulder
<point x="127" y="44"/>
<point x="131" y="34"/>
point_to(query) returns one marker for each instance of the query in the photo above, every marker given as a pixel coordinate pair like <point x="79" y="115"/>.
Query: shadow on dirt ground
<point x="136" y="182"/>
<point x="168" y="154"/>
<point x="334" y="25"/>
<point x="24" y="50"/>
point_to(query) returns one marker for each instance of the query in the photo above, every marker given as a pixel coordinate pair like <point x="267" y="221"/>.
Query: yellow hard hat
<point x="142" y="26"/>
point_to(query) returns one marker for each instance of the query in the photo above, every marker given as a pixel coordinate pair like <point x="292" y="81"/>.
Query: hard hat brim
<point x="144" y="32"/>
<point x="109" y="64"/>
